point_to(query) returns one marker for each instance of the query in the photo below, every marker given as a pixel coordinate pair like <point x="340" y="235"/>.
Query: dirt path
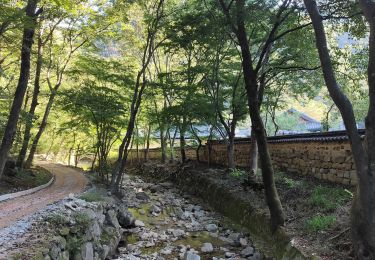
<point x="67" y="180"/>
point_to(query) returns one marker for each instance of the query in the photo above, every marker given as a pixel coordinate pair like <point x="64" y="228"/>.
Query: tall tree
<point x="41" y="42"/>
<point x="27" y="42"/>
<point x="155" y="18"/>
<point x="254" y="95"/>
<point x="363" y="209"/>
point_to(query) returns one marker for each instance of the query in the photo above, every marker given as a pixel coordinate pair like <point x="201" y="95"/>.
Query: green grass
<point x="237" y="173"/>
<point x="92" y="196"/>
<point x="320" y="222"/>
<point x="329" y="199"/>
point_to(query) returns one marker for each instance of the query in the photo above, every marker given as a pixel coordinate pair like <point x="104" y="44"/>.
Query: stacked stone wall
<point x="327" y="160"/>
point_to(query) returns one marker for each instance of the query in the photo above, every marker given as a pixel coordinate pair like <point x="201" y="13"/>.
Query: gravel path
<point x="67" y="180"/>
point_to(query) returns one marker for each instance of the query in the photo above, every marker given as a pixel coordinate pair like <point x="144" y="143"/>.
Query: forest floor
<point x="17" y="215"/>
<point x="317" y="212"/>
<point x="24" y="180"/>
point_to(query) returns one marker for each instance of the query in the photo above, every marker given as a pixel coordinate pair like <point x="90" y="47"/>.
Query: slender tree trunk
<point x="253" y="155"/>
<point x="182" y="145"/>
<point x="76" y="156"/>
<point x="34" y="104"/>
<point x="163" y="142"/>
<point x="250" y="77"/>
<point x="363" y="209"/>
<point x="41" y="129"/>
<point x="27" y="42"/>
<point x="94" y="161"/>
<point x="147" y="143"/>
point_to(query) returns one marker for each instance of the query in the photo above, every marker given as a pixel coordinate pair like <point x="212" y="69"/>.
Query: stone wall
<point x="325" y="156"/>
<point x="327" y="160"/>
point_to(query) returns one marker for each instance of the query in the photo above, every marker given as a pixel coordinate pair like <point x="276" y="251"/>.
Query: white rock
<point x="211" y="227"/>
<point x="243" y="241"/>
<point x="189" y="255"/>
<point x="139" y="223"/>
<point x="207" y="248"/>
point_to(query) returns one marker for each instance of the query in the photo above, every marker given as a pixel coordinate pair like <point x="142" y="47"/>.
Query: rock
<point x="94" y="231"/>
<point x="154" y="188"/>
<point x="54" y="252"/>
<point x="139" y="223"/>
<point x="177" y="232"/>
<point x="59" y="241"/>
<point x="248" y="251"/>
<point x="234" y="236"/>
<point x="243" y="241"/>
<point x="125" y="218"/>
<point x="111" y="218"/>
<point x="229" y="254"/>
<point x="256" y="256"/>
<point x="150" y="244"/>
<point x="166" y="184"/>
<point x="166" y="251"/>
<point x="155" y="209"/>
<point x="191" y="256"/>
<point x="87" y="251"/>
<point x="207" y="248"/>
<point x="211" y="228"/>
<point x="142" y="212"/>
<point x="142" y="196"/>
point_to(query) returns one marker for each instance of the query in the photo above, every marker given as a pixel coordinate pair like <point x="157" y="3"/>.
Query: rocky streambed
<point x="172" y="225"/>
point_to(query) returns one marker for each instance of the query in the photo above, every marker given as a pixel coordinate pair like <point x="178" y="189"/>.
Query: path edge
<point x="14" y="195"/>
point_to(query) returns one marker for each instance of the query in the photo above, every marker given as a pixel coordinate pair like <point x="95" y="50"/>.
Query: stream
<point x="173" y="225"/>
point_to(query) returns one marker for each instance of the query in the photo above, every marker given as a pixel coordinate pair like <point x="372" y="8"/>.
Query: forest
<point x="99" y="84"/>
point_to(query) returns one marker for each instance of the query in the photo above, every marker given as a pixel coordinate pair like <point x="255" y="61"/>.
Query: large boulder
<point x="125" y="218"/>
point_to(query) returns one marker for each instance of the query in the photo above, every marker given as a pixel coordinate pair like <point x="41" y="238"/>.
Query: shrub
<point x="237" y="173"/>
<point x="320" y="222"/>
<point x="92" y="196"/>
<point x="57" y="219"/>
<point x="82" y="219"/>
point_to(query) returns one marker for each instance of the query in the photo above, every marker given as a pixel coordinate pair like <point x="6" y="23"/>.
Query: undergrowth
<point x="320" y="222"/>
<point x="328" y="199"/>
<point x="92" y="196"/>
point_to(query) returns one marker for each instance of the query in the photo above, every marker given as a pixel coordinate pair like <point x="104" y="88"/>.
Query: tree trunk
<point x="27" y="42"/>
<point x="250" y="77"/>
<point x="230" y="152"/>
<point x="253" y="155"/>
<point x="94" y="161"/>
<point x="34" y="104"/>
<point x="147" y="143"/>
<point x="363" y="209"/>
<point x="41" y="129"/>
<point x="198" y="151"/>
<point x="182" y="146"/>
<point x="163" y="143"/>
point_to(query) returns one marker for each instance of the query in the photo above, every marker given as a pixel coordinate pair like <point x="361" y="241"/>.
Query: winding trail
<point x="67" y="180"/>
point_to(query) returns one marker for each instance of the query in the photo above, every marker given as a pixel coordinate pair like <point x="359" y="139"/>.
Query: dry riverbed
<point x="172" y="225"/>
